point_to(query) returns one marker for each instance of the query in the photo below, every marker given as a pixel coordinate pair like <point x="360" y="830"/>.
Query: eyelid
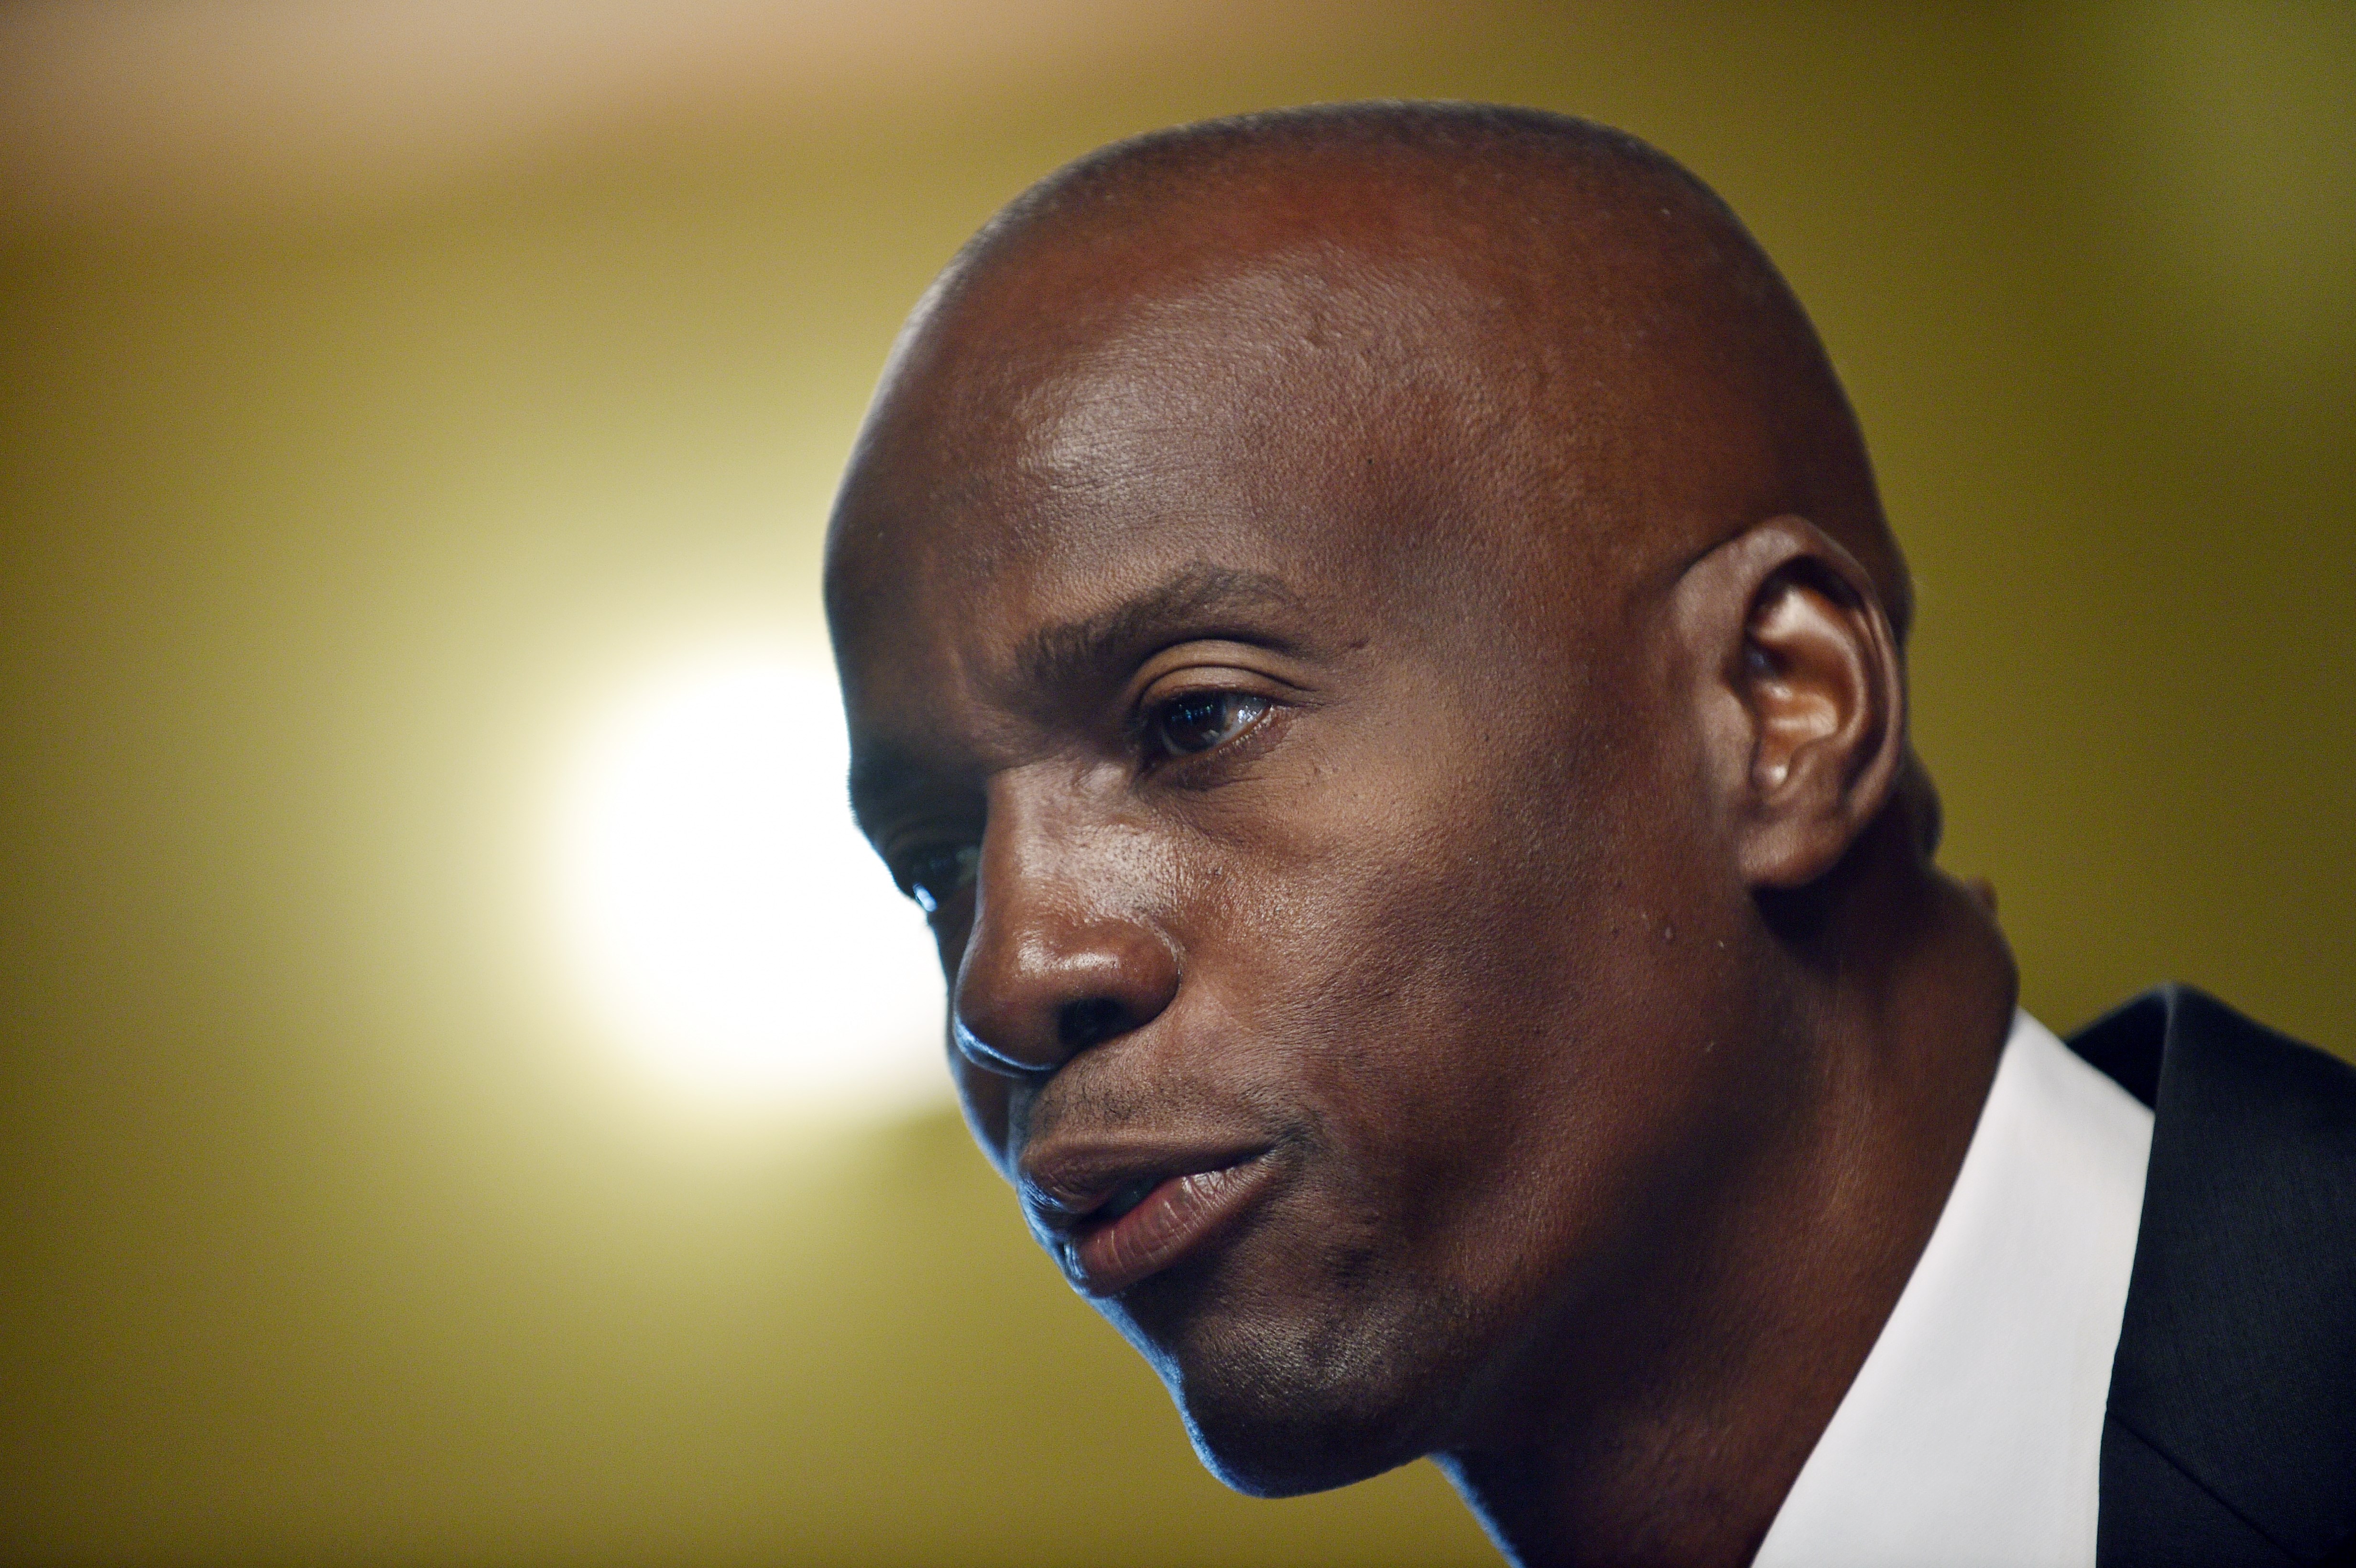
<point x="1247" y="661"/>
<point x="1206" y="666"/>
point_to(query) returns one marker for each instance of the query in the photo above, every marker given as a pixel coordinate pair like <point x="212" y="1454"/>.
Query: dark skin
<point x="1375" y="639"/>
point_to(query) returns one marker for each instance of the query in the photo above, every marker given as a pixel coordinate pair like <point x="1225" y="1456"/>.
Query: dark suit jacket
<point x="2230" y="1437"/>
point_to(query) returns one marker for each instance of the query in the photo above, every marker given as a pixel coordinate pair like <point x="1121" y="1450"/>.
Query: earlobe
<point x="1810" y="695"/>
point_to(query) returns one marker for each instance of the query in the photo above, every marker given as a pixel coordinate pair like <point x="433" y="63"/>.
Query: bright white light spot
<point x="742" y="937"/>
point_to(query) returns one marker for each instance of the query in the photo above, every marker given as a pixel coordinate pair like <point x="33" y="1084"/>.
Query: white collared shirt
<point x="1971" y="1436"/>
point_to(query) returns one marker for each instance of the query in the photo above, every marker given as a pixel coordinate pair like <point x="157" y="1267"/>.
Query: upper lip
<point x="1068" y="1182"/>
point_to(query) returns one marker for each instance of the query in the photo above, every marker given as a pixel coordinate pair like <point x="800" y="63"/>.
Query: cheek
<point x="1412" y="953"/>
<point x="1464" y="978"/>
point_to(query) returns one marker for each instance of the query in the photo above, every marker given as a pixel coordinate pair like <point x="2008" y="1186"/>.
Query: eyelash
<point x="966" y="860"/>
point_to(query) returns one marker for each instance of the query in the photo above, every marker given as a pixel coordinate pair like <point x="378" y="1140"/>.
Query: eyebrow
<point x="1070" y="653"/>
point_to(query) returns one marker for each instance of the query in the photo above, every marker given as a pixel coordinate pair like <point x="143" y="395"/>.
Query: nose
<point x="1060" y="958"/>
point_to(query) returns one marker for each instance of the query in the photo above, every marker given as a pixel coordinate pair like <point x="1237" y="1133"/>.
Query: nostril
<point x="1079" y="1025"/>
<point x="1038" y="985"/>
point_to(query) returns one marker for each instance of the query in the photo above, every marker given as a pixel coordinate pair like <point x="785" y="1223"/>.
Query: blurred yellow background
<point x="389" y="386"/>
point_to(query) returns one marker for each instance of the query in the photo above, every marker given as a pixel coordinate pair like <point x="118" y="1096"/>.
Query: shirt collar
<point x="1973" y="1433"/>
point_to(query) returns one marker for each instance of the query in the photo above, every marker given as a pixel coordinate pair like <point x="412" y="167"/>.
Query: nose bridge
<point x="1064" y="953"/>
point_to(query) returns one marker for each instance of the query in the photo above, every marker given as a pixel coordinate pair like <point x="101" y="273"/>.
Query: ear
<point x="1798" y="682"/>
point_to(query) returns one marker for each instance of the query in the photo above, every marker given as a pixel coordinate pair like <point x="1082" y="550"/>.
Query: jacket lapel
<point x="2230" y="1434"/>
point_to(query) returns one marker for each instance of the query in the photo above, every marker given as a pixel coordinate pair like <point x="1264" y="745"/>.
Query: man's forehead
<point x="1301" y="405"/>
<point x="1061" y="374"/>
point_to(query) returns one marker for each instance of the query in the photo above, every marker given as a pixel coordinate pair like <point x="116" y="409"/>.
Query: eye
<point x="1202" y="719"/>
<point x="937" y="875"/>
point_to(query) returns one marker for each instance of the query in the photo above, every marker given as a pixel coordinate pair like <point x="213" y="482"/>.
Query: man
<point x="1371" y="635"/>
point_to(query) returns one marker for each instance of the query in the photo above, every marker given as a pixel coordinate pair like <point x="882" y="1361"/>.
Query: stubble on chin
<point x="1286" y="1392"/>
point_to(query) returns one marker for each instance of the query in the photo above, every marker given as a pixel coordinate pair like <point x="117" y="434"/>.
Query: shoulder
<point x="2231" y="1435"/>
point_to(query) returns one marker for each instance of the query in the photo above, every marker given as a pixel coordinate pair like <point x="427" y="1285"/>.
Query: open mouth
<point x="1146" y="1224"/>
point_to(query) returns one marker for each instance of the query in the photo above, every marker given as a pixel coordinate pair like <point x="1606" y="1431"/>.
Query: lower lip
<point x="1176" y="1217"/>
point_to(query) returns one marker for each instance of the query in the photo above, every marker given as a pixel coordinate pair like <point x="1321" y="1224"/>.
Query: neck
<point x="1678" y="1413"/>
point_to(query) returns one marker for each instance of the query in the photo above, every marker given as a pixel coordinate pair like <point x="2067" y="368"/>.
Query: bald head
<point x="1547" y="300"/>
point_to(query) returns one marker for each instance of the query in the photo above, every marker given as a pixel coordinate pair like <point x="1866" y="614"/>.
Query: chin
<point x="1288" y="1457"/>
<point x="1280" y="1403"/>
